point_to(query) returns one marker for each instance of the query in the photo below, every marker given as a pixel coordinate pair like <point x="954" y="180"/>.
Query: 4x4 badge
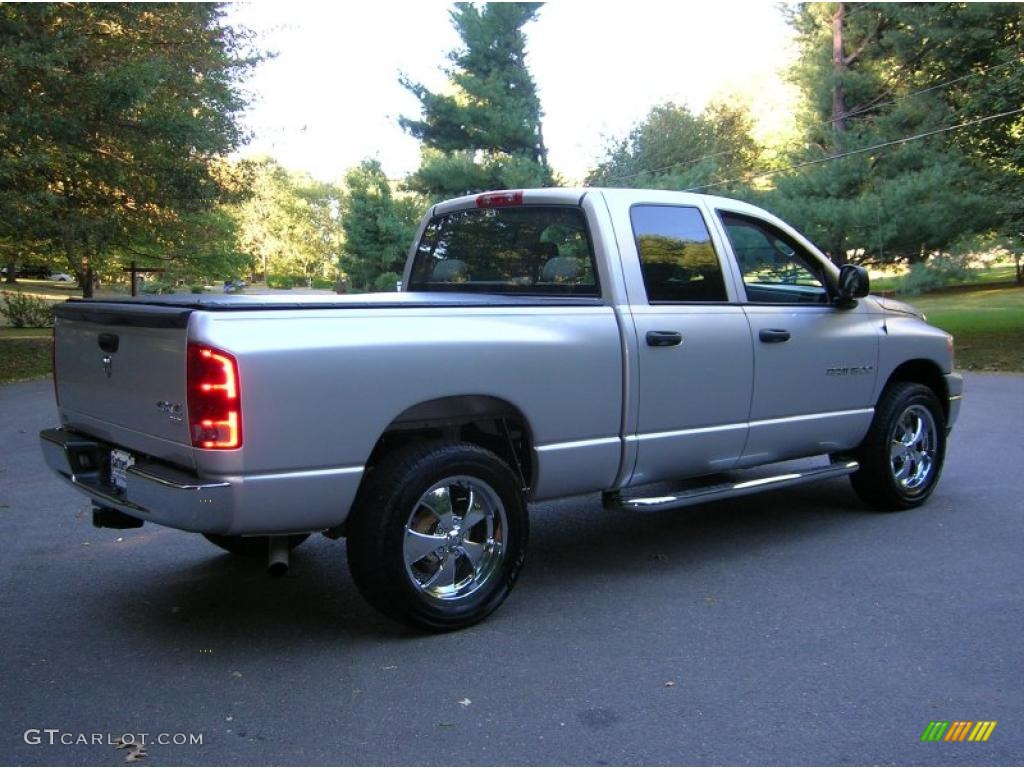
<point x="173" y="410"/>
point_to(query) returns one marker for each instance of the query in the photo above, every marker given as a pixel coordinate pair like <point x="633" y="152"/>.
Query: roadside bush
<point x="286" y="282"/>
<point x="197" y="289"/>
<point x="387" y="282"/>
<point x="25" y="311"/>
<point x="937" y="272"/>
<point x="323" y="282"/>
<point x="155" y="287"/>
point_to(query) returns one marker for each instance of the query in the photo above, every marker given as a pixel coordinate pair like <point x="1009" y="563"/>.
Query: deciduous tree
<point x="672" y="148"/>
<point x="289" y="226"/>
<point x="112" y="117"/>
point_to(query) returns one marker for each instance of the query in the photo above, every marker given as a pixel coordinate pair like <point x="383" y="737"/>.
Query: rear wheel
<point x="438" y="535"/>
<point x="251" y="546"/>
<point x="901" y="458"/>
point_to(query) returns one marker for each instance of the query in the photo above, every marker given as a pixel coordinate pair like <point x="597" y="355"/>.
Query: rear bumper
<point x="955" y="387"/>
<point x="279" y="503"/>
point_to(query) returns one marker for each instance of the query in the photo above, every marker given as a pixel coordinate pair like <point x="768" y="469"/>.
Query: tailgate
<point x="120" y="375"/>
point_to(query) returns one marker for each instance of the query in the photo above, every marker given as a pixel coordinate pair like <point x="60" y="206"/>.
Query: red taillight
<point x="499" y="199"/>
<point x="214" y="399"/>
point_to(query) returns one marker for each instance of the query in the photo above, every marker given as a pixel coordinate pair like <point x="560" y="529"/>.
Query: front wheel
<point x="901" y="458"/>
<point x="438" y="535"/>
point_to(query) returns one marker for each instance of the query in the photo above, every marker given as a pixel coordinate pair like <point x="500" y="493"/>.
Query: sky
<point x="330" y="97"/>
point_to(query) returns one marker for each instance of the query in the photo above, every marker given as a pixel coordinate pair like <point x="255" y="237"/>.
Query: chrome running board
<point x="728" y="490"/>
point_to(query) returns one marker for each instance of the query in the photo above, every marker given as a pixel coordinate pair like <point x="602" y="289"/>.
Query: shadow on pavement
<point x="572" y="542"/>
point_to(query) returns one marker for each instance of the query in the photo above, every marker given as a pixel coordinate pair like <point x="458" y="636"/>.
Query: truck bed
<point x="323" y="377"/>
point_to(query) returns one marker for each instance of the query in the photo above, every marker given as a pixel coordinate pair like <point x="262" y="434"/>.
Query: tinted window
<point x="676" y="256"/>
<point x="522" y="250"/>
<point x="775" y="268"/>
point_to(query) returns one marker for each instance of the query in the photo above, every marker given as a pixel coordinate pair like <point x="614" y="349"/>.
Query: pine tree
<point x="484" y="131"/>
<point x="873" y="73"/>
<point x="378" y="226"/>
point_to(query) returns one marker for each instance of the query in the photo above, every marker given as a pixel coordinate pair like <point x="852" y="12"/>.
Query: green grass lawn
<point x="50" y="290"/>
<point x="44" y="289"/>
<point x="25" y="333"/>
<point x="987" y="324"/>
<point x="25" y="352"/>
<point x="24" y="356"/>
<point x="889" y="280"/>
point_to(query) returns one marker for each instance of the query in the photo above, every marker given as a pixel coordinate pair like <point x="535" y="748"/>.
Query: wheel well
<point x="927" y="373"/>
<point x="494" y="424"/>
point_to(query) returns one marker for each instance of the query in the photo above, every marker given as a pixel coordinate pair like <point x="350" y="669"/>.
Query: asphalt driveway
<point x="794" y="627"/>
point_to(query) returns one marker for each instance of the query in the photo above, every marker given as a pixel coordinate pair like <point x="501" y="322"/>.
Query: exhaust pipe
<point x="277" y="559"/>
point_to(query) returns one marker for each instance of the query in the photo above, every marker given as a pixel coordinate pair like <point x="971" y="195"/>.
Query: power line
<point x="681" y="163"/>
<point x="852" y="152"/>
<point x="830" y="121"/>
<point x="871" y="107"/>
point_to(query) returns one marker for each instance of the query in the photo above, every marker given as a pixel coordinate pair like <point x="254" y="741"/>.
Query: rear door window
<point x="678" y="261"/>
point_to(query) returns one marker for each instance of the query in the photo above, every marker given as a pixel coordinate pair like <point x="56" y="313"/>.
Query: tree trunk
<point x="838" y="70"/>
<point x="88" y="280"/>
<point x="12" y="272"/>
<point x="542" y="150"/>
<point x="1018" y="262"/>
<point x="81" y="267"/>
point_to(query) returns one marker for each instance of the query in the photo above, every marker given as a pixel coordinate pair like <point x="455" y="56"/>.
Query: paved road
<point x="794" y="628"/>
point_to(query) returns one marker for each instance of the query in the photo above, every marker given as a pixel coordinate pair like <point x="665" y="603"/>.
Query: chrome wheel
<point x="455" y="538"/>
<point x="901" y="456"/>
<point x="912" y="448"/>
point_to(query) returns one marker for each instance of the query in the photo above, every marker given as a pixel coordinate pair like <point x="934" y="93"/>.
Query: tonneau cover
<point x="77" y="308"/>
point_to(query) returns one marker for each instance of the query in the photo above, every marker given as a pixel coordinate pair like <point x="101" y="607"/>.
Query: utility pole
<point x="839" y="64"/>
<point x="135" y="271"/>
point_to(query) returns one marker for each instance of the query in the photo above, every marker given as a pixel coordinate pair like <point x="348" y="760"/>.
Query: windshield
<point x="538" y="250"/>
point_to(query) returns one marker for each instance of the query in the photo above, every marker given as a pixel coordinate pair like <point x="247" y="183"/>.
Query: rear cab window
<point x="522" y="250"/>
<point x="677" y="258"/>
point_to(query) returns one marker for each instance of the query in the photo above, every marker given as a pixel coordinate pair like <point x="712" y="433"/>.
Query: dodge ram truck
<point x="661" y="349"/>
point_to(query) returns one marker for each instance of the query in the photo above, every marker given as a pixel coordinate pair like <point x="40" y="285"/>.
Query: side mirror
<point x="854" y="283"/>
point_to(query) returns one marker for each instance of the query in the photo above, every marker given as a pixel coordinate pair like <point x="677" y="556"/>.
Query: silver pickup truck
<point x="660" y="348"/>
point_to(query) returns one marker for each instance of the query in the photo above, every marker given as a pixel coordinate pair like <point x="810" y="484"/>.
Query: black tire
<point x="878" y="482"/>
<point x="250" y="546"/>
<point x="396" y="515"/>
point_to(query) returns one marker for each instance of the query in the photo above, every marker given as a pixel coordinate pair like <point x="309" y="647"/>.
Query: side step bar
<point x="728" y="490"/>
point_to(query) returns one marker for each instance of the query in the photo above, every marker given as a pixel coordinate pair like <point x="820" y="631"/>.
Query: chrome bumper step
<point x="155" y="492"/>
<point x="717" y="491"/>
